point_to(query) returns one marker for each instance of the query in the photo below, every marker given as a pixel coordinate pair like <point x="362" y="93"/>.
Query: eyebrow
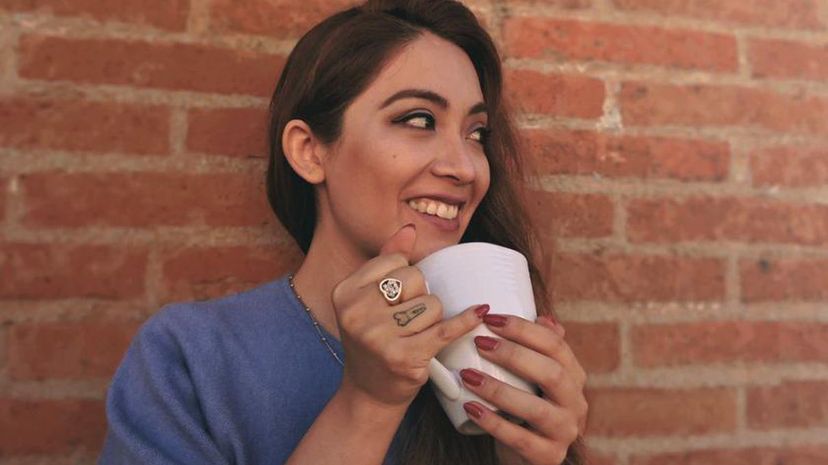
<point x="431" y="96"/>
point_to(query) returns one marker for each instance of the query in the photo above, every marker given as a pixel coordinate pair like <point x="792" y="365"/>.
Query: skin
<point x="394" y="160"/>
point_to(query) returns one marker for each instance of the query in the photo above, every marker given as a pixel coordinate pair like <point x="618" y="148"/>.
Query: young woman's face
<point x="415" y="134"/>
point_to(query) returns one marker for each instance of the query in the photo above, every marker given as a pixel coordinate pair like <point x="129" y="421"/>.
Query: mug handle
<point x="444" y="379"/>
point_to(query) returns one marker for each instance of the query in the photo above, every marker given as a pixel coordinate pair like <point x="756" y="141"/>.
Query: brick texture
<point x="788" y="59"/>
<point x="164" y="14"/>
<point x="788" y="405"/>
<point x="280" y="18"/>
<point x="767" y="279"/>
<point x="49" y="426"/>
<point x="553" y="94"/>
<point x="806" y="454"/>
<point x="228" y="131"/>
<point x="567" y="215"/>
<point x="790" y="166"/>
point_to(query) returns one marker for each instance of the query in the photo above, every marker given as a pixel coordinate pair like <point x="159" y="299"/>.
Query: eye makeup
<point x="430" y="124"/>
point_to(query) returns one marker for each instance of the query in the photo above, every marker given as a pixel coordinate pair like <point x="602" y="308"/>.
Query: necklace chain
<point x="315" y="323"/>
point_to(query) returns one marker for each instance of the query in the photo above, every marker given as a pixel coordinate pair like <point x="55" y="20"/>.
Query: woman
<point x="383" y="113"/>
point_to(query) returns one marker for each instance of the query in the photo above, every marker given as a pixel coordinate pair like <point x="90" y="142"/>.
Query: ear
<point x="303" y="151"/>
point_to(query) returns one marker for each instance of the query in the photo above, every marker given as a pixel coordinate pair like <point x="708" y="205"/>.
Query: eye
<point x="483" y="134"/>
<point x="418" y="120"/>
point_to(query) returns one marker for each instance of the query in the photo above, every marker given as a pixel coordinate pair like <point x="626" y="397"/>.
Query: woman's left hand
<point x="537" y="353"/>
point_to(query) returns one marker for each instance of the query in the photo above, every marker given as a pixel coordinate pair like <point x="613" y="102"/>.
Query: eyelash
<point x="484" y="131"/>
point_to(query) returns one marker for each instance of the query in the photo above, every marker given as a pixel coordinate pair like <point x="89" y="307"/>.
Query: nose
<point x="457" y="161"/>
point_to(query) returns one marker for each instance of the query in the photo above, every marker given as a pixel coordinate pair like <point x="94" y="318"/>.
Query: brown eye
<point x="483" y="134"/>
<point x="418" y="120"/>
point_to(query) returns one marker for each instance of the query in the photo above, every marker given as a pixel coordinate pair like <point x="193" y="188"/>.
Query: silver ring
<point x="391" y="289"/>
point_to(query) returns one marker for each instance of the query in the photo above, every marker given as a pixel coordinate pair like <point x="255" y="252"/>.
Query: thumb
<point x="401" y="241"/>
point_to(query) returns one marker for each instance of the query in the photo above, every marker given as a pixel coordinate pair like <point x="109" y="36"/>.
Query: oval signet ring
<point x="391" y="289"/>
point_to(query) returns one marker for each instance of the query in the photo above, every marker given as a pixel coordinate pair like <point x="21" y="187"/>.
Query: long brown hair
<point x="328" y="68"/>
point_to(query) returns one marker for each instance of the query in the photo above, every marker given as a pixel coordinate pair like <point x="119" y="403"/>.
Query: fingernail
<point x="481" y="310"/>
<point x="495" y="320"/>
<point x="486" y="342"/>
<point x="472" y="377"/>
<point x="473" y="409"/>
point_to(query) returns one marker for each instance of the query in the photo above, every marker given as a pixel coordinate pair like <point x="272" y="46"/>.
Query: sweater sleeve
<point x="153" y="412"/>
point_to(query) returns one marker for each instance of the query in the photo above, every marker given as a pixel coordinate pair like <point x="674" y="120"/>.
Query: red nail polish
<point x="486" y="342"/>
<point x="473" y="410"/>
<point x="481" y="310"/>
<point x="472" y="377"/>
<point x="495" y="320"/>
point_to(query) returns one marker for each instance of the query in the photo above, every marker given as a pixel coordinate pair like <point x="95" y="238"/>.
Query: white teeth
<point x="435" y="208"/>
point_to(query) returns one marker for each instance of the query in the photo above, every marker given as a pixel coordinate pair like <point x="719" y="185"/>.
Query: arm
<point x="351" y="429"/>
<point x="153" y="414"/>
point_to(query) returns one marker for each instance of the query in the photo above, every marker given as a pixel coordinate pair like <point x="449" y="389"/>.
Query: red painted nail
<point x="472" y="377"/>
<point x="481" y="310"/>
<point x="495" y="320"/>
<point x="486" y="342"/>
<point x="473" y="409"/>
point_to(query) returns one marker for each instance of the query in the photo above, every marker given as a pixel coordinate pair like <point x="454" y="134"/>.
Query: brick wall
<point x="683" y="149"/>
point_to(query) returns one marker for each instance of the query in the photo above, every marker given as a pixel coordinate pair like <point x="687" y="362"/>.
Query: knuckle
<point x="522" y="445"/>
<point x="552" y="378"/>
<point x="558" y="454"/>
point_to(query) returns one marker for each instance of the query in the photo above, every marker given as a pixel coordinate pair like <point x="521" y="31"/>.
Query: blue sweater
<point x="235" y="380"/>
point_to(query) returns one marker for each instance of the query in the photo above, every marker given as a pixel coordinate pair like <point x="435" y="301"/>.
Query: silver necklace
<point x="315" y="323"/>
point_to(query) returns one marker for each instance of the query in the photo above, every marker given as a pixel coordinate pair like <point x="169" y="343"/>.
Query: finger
<point x="527" y="444"/>
<point x="539" y="337"/>
<point x="433" y="339"/>
<point x="534" y="367"/>
<point x="395" y="253"/>
<point x="411" y="316"/>
<point x="413" y="283"/>
<point x="401" y="241"/>
<point x="547" y="418"/>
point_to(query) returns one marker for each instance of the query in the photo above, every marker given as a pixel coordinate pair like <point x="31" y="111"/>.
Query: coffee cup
<point x="460" y="276"/>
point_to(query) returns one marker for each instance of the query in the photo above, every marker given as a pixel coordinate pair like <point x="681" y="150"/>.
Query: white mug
<point x="460" y="276"/>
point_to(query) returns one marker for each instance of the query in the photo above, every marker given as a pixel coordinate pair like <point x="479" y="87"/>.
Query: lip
<point x="442" y="224"/>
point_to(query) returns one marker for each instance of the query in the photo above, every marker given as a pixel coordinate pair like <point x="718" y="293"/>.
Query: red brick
<point x="597" y="346"/>
<point x="3" y="188"/>
<point x="647" y="104"/>
<point x="531" y="37"/>
<point x="566" y="4"/>
<point x="205" y="273"/>
<point x="238" y="132"/>
<point x="164" y="14"/>
<point x="106" y="127"/>
<point x="50" y="426"/>
<point x="57" y="271"/>
<point x="791" y="404"/>
<point x="67" y="350"/>
<point x="781" y="13"/>
<point x="788" y="59"/>
<point x="624" y="412"/>
<point x="174" y="66"/>
<point x="627" y="278"/>
<point x="727" y="342"/>
<point x="567" y="215"/>
<point x="555" y="94"/>
<point x="588" y="153"/>
<point x="594" y="457"/>
<point x="154" y="199"/>
<point x="790" y="166"/>
<point x="784" y="279"/>
<point x="787" y="455"/>
<point x="716" y="219"/>
<point x="280" y="18"/>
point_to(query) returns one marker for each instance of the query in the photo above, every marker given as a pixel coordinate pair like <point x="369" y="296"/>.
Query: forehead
<point x="432" y="63"/>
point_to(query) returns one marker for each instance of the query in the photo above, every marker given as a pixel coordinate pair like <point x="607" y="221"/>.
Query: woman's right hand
<point x="388" y="347"/>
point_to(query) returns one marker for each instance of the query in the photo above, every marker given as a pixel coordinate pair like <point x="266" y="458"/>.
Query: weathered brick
<point x="4" y="186"/>
<point x="560" y="39"/>
<point x="728" y="342"/>
<point x="716" y="219"/>
<point x="769" y="279"/>
<point x="238" y="132"/>
<point x="555" y="94"/>
<point x="589" y="153"/>
<point x="280" y="18"/>
<point x="204" y="273"/>
<point x="57" y="271"/>
<point x="163" y="14"/>
<point x="154" y="199"/>
<point x="699" y="105"/>
<point x="780" y="13"/>
<point x="788" y="59"/>
<point x="104" y="126"/>
<point x="624" y="412"/>
<point x="597" y="346"/>
<point x="47" y="426"/>
<point x="804" y="454"/>
<point x="67" y="350"/>
<point x="627" y="278"/>
<point x="790" y="166"/>
<point x="567" y="215"/>
<point x="174" y="66"/>
<point x="791" y="404"/>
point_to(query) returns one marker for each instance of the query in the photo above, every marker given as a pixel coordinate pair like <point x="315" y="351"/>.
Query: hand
<point x="388" y="347"/>
<point x="537" y="353"/>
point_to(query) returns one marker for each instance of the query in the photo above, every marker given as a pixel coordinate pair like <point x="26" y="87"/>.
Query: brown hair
<point x="316" y="86"/>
